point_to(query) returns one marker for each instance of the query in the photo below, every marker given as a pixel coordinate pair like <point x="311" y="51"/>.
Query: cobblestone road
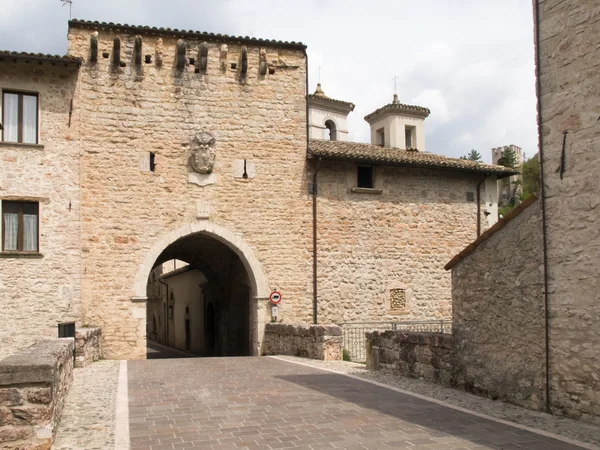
<point x="88" y="419"/>
<point x="230" y="403"/>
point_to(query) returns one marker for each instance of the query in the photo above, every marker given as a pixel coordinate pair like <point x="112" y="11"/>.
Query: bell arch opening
<point x="203" y="294"/>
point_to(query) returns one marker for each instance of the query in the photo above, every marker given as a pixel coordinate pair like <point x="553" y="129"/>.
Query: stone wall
<point x="370" y="245"/>
<point x="127" y="209"/>
<point x="308" y="341"/>
<point x="498" y="313"/>
<point x="426" y="356"/>
<point x="33" y="386"/>
<point x="87" y="346"/>
<point x="569" y="52"/>
<point x="40" y="290"/>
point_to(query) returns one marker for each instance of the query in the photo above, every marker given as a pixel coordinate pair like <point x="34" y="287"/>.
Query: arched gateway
<point x="201" y="242"/>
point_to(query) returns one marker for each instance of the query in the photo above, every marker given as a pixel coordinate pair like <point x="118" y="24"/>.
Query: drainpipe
<point x="479" y="206"/>
<point x="543" y="199"/>
<point x="314" y="202"/>
<point x="166" y="314"/>
<point x="314" y="194"/>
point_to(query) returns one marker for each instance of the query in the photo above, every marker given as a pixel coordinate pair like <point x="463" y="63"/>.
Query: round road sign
<point x="275" y="297"/>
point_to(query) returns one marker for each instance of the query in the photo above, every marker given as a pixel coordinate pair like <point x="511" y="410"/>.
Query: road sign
<point x="275" y="297"/>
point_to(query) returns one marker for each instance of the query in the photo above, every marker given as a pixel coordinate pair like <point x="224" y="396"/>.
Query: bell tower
<point x="327" y="117"/>
<point x="397" y="125"/>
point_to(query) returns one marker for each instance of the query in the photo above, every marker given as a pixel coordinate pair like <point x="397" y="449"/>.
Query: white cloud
<point x="457" y="58"/>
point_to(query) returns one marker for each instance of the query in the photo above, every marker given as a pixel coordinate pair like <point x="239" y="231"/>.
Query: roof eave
<point x="408" y="164"/>
<point x="51" y="59"/>
<point x="337" y="105"/>
<point x="378" y="115"/>
<point x="213" y="37"/>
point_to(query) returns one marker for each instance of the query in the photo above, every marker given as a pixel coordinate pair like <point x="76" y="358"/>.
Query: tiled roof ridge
<point x="491" y="231"/>
<point x="41" y="56"/>
<point x="359" y="151"/>
<point x="397" y="105"/>
<point x="186" y="33"/>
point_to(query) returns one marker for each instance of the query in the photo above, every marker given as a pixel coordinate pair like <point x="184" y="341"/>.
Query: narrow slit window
<point x="152" y="162"/>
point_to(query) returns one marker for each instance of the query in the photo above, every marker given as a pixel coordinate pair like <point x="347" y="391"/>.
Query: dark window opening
<point x="380" y="137"/>
<point x="152" y="162"/>
<point x="20" y="224"/>
<point x="365" y="177"/>
<point x="148" y="59"/>
<point x="332" y="130"/>
<point x="470" y="196"/>
<point x="408" y="137"/>
<point x="19" y="117"/>
<point x="245" y="175"/>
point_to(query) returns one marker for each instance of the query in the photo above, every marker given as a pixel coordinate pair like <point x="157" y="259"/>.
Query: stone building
<point x="551" y="250"/>
<point x="509" y="187"/>
<point x="152" y="145"/>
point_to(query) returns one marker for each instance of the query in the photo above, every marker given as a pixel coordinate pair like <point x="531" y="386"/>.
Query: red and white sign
<point x="275" y="297"/>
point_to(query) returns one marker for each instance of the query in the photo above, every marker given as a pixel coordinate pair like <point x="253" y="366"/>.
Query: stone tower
<point x="327" y="117"/>
<point x="508" y="186"/>
<point x="397" y="125"/>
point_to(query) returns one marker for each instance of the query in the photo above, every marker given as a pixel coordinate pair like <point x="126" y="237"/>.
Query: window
<point x="380" y="137"/>
<point x="365" y="177"/>
<point x="408" y="137"/>
<point x="20" y="226"/>
<point x="20" y="117"/>
<point x="331" y="134"/>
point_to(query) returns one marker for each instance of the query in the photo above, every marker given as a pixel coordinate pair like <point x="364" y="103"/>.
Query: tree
<point x="472" y="156"/>
<point x="509" y="158"/>
<point x="531" y="176"/>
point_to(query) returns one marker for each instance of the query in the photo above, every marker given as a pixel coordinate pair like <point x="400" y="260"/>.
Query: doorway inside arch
<point x="198" y="301"/>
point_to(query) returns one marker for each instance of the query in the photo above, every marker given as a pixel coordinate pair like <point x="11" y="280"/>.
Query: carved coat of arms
<point x="203" y="154"/>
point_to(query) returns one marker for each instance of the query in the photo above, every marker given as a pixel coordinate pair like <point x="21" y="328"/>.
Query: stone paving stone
<point x="229" y="403"/>
<point x="88" y="418"/>
<point x="553" y="424"/>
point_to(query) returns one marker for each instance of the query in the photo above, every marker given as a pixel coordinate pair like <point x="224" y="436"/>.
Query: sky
<point x="471" y="62"/>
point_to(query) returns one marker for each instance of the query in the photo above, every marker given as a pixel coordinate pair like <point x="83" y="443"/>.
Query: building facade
<point x="159" y="145"/>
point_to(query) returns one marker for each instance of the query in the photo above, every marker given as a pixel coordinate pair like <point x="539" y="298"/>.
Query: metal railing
<point x="353" y="334"/>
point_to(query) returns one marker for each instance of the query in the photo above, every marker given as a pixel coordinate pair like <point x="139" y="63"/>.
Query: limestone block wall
<point x="498" y="314"/>
<point x="309" y="341"/>
<point x="44" y="289"/>
<point x="427" y="356"/>
<point x="370" y="245"/>
<point x="33" y="386"/>
<point x="569" y="52"/>
<point x="87" y="346"/>
<point x="126" y="114"/>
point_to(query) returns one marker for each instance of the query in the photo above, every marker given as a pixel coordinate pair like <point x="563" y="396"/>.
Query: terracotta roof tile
<point x="396" y="106"/>
<point x="94" y="25"/>
<point x="356" y="151"/>
<point x="491" y="231"/>
<point x="6" y="54"/>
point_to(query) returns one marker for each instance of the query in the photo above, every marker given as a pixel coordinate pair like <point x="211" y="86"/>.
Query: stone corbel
<point x="116" y="53"/>
<point x="158" y="52"/>
<point x="262" y="67"/>
<point x="180" y="56"/>
<point x="243" y="61"/>
<point x="137" y="52"/>
<point x="203" y="57"/>
<point x="94" y="47"/>
<point x="223" y="57"/>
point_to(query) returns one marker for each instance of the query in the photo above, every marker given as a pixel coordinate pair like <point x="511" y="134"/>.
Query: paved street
<point x="229" y="403"/>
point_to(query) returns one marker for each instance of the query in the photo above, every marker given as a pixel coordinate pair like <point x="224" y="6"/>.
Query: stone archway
<point x="259" y="289"/>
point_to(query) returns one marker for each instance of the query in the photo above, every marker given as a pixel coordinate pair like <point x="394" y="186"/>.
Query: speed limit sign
<point x="275" y="297"/>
